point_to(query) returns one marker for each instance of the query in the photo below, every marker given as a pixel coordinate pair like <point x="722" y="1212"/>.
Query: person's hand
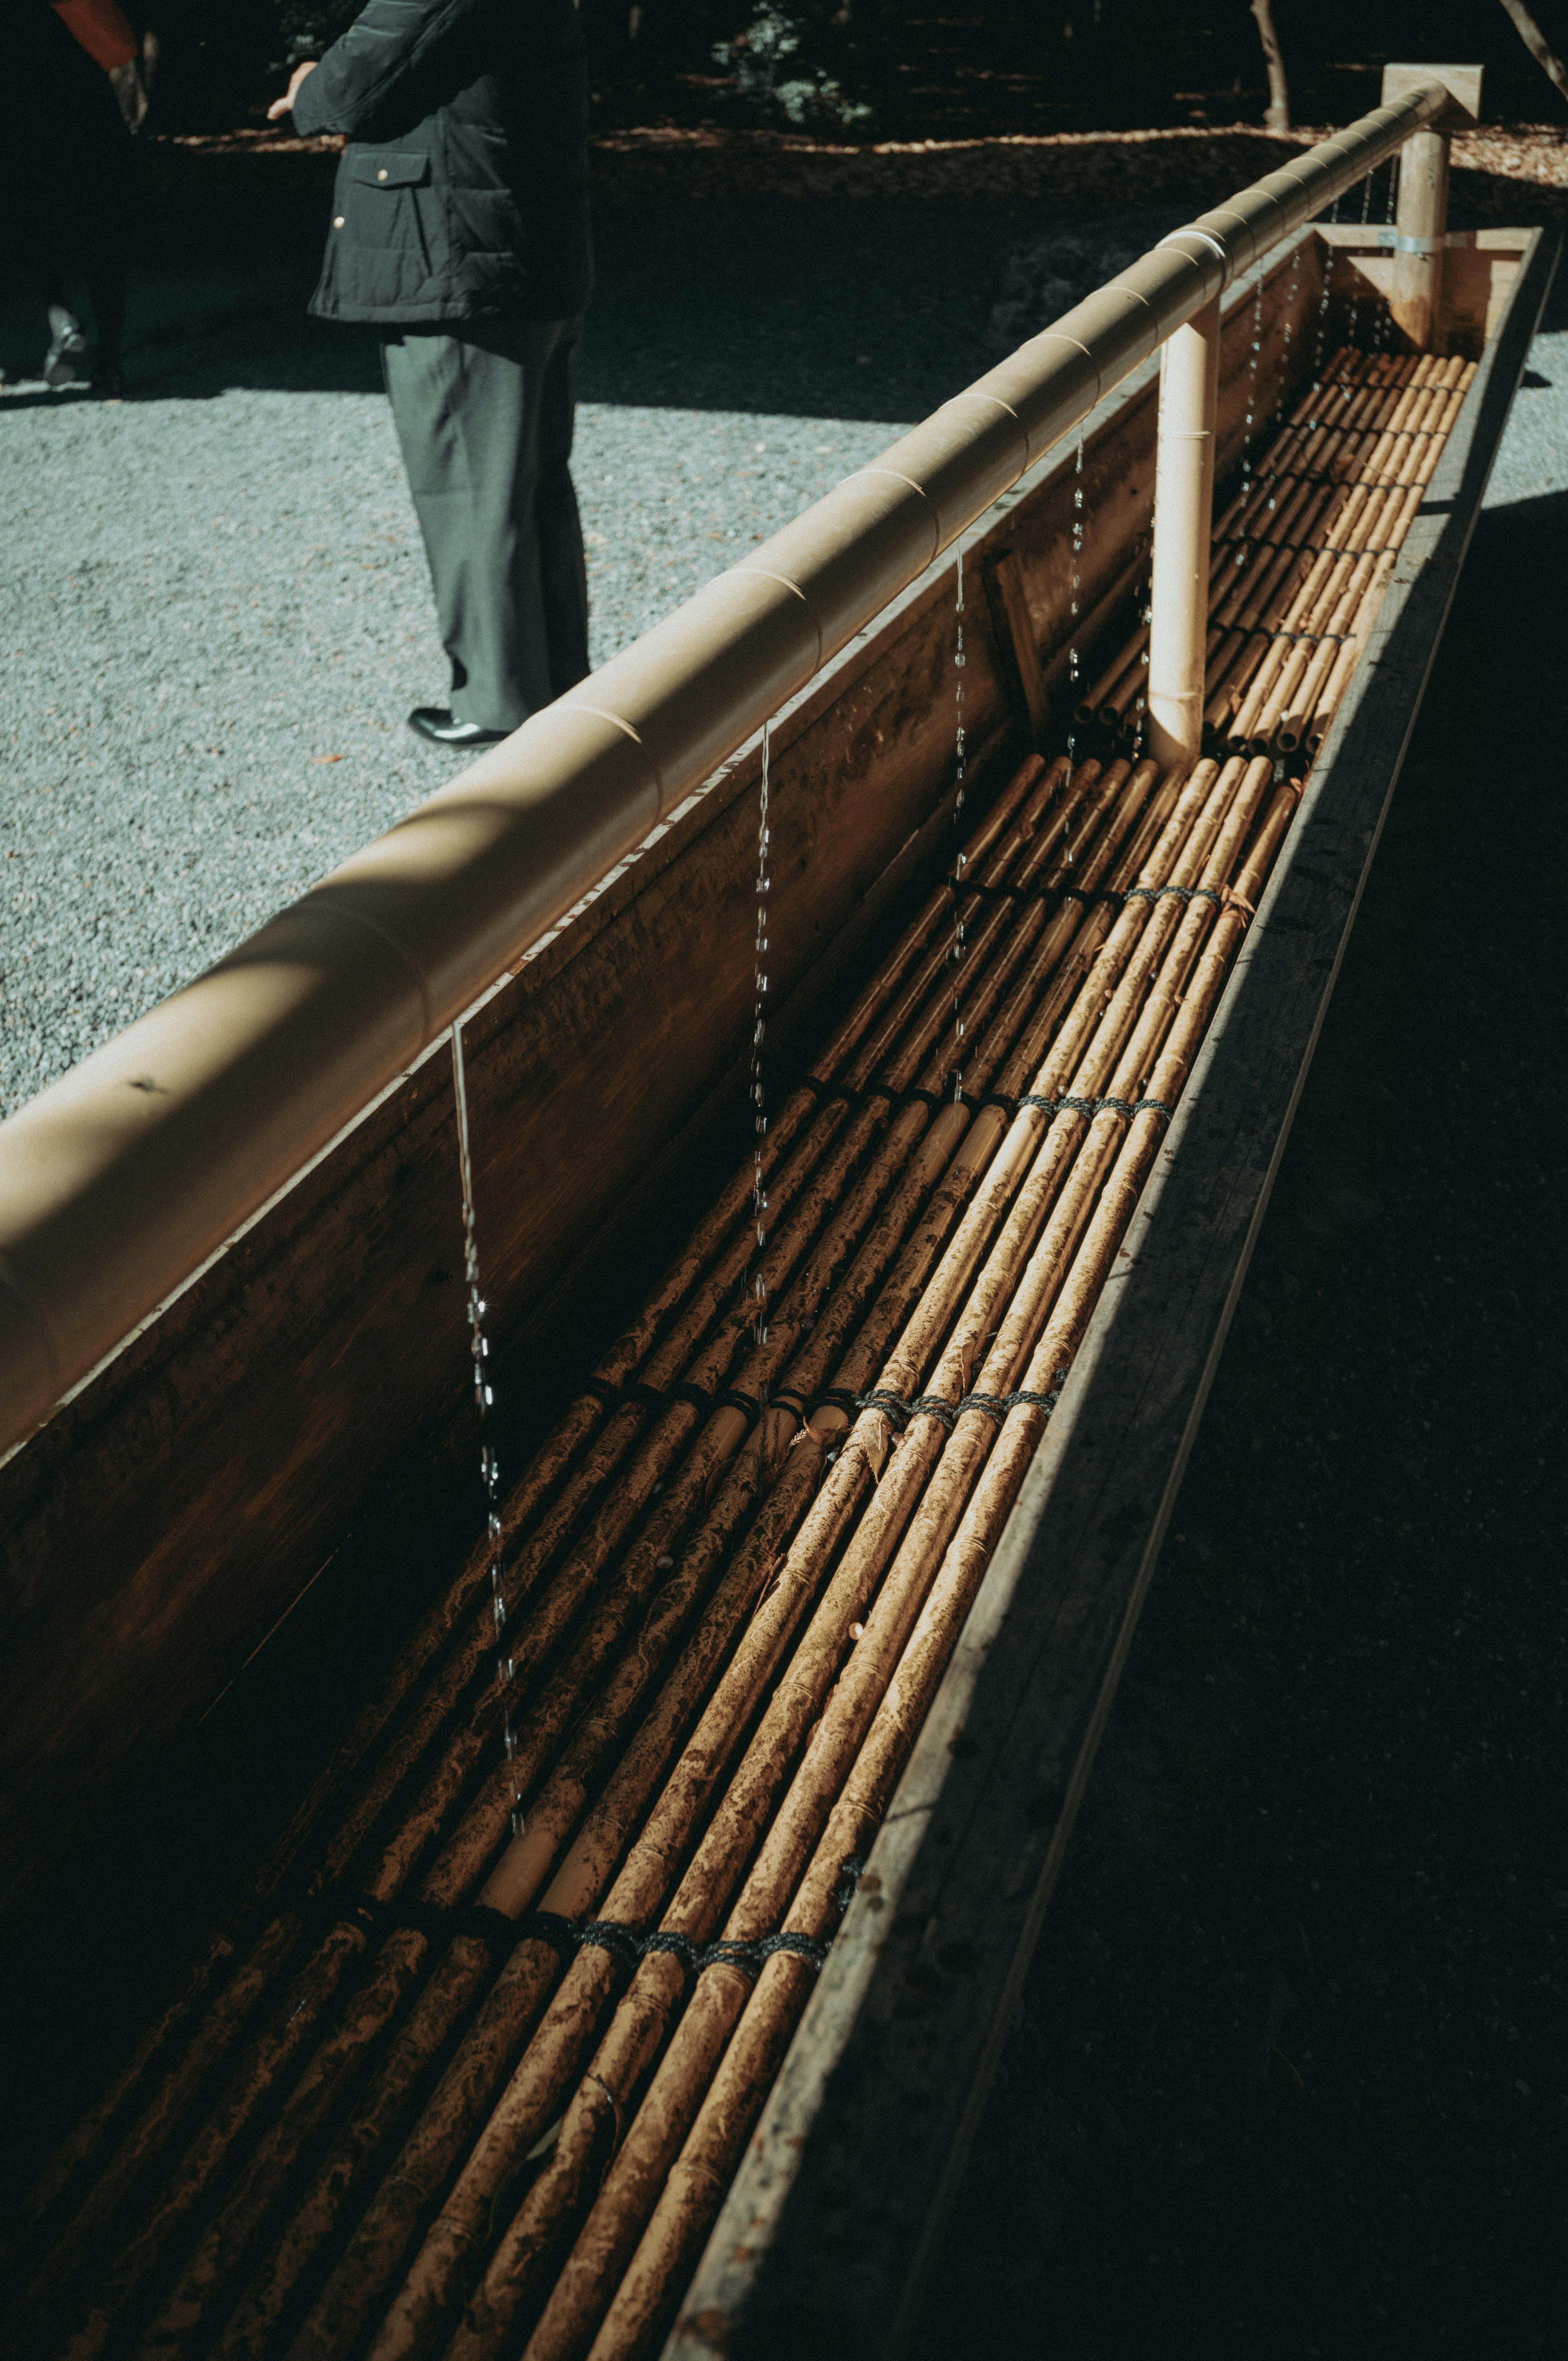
<point x="285" y="106"/>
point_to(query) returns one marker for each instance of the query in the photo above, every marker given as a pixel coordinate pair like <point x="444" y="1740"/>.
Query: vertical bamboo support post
<point x="1184" y="506"/>
<point x="1421" y="221"/>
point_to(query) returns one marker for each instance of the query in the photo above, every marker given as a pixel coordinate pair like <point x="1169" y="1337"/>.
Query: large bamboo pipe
<point x="123" y="1177"/>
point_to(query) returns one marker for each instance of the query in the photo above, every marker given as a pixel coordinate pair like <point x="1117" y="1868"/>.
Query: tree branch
<point x="1535" y="41"/>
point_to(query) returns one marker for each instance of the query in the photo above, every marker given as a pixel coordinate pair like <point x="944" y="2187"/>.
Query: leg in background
<point x="562" y="567"/>
<point x="484" y="422"/>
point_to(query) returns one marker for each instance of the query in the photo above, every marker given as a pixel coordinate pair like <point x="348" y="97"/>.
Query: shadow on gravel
<point x="844" y="309"/>
<point x="840" y="308"/>
<point x="1288" y="2076"/>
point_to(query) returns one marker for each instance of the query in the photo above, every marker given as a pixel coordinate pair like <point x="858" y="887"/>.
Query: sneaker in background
<point x="68" y="347"/>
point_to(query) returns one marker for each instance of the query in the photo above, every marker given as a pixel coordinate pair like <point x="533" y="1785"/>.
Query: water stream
<point x="484" y="1404"/>
<point x="959" y="946"/>
<point x="759" y="1027"/>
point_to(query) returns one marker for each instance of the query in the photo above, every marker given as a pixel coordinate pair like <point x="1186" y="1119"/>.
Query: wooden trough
<point x="300" y="1411"/>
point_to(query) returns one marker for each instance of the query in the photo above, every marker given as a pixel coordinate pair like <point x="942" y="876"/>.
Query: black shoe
<point x="64" y="363"/>
<point x="436" y="722"/>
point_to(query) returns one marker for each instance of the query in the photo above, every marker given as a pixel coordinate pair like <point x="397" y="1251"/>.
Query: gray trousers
<point x="485" y="418"/>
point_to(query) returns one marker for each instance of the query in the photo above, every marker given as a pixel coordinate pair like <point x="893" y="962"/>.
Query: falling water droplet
<point x="956" y="954"/>
<point x="758" y="1289"/>
<point x="484" y="1397"/>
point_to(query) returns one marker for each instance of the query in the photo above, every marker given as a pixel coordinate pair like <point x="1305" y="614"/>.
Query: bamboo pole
<point x="1421" y="223"/>
<point x="1184" y="508"/>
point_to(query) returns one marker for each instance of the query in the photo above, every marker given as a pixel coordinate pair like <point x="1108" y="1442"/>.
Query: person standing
<point x="68" y="188"/>
<point x="460" y="229"/>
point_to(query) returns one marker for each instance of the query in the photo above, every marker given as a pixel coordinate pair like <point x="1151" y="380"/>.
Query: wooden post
<point x="1184" y="506"/>
<point x="1018" y="657"/>
<point x="1422" y="223"/>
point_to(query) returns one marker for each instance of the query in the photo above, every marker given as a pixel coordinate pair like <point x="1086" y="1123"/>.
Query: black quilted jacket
<point x="462" y="191"/>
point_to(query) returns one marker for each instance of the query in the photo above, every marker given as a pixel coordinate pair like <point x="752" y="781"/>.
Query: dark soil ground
<point x="1289" y="2076"/>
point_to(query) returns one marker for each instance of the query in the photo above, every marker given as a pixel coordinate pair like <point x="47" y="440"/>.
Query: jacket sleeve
<point x="397" y="62"/>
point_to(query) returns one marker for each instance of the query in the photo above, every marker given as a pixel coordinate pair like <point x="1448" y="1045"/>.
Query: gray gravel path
<point x="215" y="612"/>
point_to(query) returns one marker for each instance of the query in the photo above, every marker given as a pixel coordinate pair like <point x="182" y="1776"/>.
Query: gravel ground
<point x="214" y="613"/>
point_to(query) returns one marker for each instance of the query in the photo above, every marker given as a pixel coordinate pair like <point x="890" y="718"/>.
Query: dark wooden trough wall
<point x="299" y="1405"/>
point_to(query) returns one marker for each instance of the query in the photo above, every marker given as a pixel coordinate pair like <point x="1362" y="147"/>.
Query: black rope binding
<point x="946" y="1413"/>
<point x="501" y="1934"/>
<point x="1178" y="894"/>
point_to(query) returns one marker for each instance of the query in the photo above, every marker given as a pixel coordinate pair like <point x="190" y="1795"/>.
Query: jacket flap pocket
<point x="387" y="167"/>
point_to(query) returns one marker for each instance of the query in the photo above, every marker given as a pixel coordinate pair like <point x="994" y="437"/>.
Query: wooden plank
<point x="1015" y="638"/>
<point x="835" y="2217"/>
